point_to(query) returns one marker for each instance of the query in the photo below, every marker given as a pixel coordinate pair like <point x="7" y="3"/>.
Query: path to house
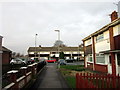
<point x="50" y="77"/>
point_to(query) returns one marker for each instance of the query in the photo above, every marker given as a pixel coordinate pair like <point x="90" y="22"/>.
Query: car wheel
<point x="23" y="63"/>
<point x="12" y="63"/>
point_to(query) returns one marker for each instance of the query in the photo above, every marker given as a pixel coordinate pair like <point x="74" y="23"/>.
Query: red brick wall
<point x="6" y="56"/>
<point x="117" y="42"/>
<point x="101" y="68"/>
<point x="90" y="66"/>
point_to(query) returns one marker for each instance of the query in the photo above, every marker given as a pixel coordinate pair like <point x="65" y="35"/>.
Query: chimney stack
<point x="114" y="16"/>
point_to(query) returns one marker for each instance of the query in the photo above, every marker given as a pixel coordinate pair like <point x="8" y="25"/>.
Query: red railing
<point x="89" y="80"/>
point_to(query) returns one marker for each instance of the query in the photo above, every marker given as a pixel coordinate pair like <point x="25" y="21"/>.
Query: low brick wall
<point x="101" y="68"/>
<point x="28" y="73"/>
<point x="90" y="65"/>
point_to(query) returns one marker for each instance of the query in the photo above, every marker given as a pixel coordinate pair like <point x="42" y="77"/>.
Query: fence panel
<point x="89" y="80"/>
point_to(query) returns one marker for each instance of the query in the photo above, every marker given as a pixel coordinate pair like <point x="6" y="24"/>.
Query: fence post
<point x="13" y="77"/>
<point x="35" y="68"/>
<point x="118" y="81"/>
<point x="24" y="71"/>
<point x="113" y="81"/>
<point x="31" y="67"/>
<point x="77" y="80"/>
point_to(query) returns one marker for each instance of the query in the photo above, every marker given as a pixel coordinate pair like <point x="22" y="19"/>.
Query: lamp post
<point x="58" y="40"/>
<point x="58" y="34"/>
<point x="35" y="46"/>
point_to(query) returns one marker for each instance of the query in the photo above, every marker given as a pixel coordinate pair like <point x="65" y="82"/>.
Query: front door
<point x="109" y="63"/>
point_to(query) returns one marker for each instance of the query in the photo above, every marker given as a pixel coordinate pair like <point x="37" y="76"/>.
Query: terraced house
<point x="102" y="48"/>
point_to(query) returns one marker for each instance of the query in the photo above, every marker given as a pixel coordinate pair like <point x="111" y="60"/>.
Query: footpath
<point x="50" y="78"/>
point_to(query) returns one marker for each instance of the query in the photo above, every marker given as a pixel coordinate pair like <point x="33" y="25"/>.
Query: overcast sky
<point x="20" y="21"/>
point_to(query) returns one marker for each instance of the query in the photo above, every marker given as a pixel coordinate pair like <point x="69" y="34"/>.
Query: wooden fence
<point x="89" y="80"/>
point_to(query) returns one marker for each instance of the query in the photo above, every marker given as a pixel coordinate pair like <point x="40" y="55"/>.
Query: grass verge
<point x="69" y="73"/>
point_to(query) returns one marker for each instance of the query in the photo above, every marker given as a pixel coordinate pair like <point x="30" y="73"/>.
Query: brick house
<point x="102" y="48"/>
<point x="6" y="55"/>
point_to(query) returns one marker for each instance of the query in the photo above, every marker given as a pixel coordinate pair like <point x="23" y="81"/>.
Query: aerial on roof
<point x="113" y="23"/>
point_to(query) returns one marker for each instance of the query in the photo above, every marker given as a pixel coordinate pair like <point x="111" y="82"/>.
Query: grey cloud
<point x="21" y="21"/>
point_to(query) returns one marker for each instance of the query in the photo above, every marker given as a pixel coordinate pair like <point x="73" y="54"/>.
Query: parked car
<point x="62" y="62"/>
<point x="51" y="60"/>
<point x="30" y="61"/>
<point x="17" y="61"/>
<point x="70" y="60"/>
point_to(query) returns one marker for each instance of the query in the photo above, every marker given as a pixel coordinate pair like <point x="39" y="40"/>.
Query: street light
<point x="58" y="34"/>
<point x="58" y="40"/>
<point x="35" y="45"/>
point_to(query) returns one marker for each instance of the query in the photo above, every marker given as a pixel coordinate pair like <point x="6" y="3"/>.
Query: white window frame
<point x="100" y="55"/>
<point x="100" y="37"/>
<point x="90" y="56"/>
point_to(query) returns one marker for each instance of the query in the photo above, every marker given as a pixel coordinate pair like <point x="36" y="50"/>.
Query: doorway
<point x="118" y="61"/>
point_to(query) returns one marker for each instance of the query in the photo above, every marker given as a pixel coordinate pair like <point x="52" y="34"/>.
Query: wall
<point x="88" y="50"/>
<point x="88" y="42"/>
<point x="101" y="68"/>
<point x="104" y="44"/>
<point x="117" y="42"/>
<point x="90" y="65"/>
<point x="116" y="30"/>
<point x="6" y="56"/>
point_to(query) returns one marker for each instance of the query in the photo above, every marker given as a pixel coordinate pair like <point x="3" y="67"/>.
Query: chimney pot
<point x="114" y="16"/>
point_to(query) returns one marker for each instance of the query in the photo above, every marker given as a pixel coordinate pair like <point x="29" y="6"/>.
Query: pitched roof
<point x="113" y="23"/>
<point x="5" y="49"/>
<point x="54" y="49"/>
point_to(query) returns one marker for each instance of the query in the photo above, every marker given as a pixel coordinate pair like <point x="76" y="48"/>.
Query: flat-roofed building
<point x="52" y="52"/>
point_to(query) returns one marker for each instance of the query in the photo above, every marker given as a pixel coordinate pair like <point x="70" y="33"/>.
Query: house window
<point x="100" y="58"/>
<point x="88" y="42"/>
<point x="118" y="59"/>
<point x="119" y="29"/>
<point x="99" y="37"/>
<point x="110" y="59"/>
<point x="90" y="58"/>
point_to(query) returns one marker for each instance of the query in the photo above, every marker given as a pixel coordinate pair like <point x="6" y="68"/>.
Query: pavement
<point x="50" y="78"/>
<point x="76" y="63"/>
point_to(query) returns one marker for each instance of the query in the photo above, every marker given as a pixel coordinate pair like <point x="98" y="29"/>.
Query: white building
<point x="52" y="52"/>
